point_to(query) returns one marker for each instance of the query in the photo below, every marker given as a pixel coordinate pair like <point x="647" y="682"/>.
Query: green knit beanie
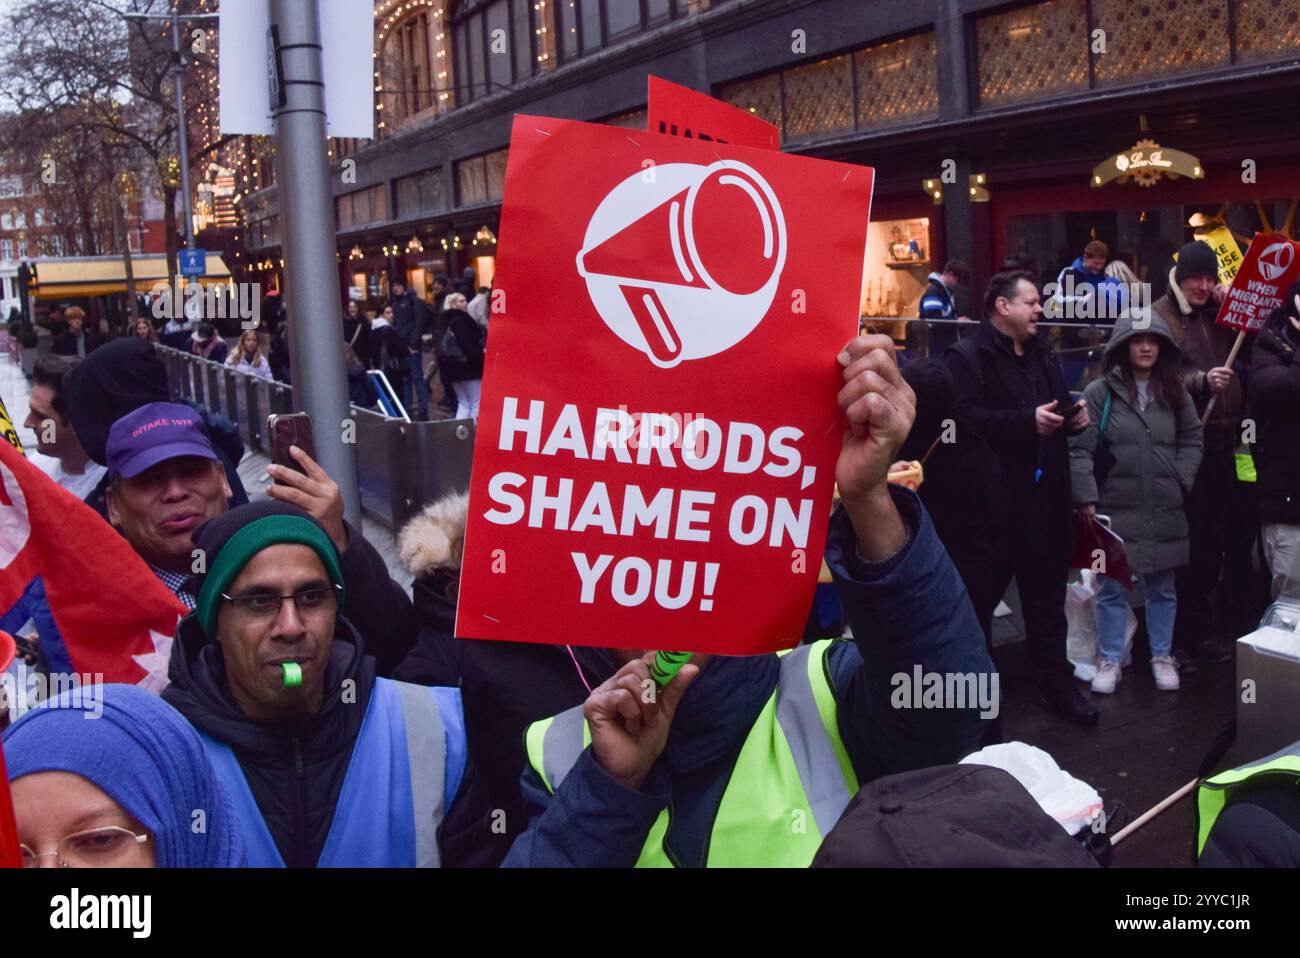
<point x="230" y="543"/>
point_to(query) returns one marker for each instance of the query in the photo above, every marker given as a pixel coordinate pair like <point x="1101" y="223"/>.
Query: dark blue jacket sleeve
<point x="909" y="611"/>
<point x="591" y="821"/>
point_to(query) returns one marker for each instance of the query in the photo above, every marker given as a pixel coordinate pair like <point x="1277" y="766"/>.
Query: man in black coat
<point x="412" y="320"/>
<point x="1011" y="390"/>
<point x="1275" y="402"/>
<point x="77" y="340"/>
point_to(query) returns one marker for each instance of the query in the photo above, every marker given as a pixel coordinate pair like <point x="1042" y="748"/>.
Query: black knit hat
<point x="1195" y="259"/>
<point x="118" y="378"/>
<point x="229" y="540"/>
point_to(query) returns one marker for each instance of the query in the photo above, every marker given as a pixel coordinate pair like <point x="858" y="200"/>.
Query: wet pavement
<point x="1147" y="745"/>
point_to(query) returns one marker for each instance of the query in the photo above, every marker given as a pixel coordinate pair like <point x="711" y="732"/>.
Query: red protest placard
<point x="677" y="110"/>
<point x="1271" y="265"/>
<point x="658" y="431"/>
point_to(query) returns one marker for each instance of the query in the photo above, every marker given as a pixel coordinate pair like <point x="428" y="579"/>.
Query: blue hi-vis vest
<point x="409" y="758"/>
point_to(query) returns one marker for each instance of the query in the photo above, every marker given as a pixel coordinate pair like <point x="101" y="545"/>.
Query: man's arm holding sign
<point x="907" y="607"/>
<point x="901" y="594"/>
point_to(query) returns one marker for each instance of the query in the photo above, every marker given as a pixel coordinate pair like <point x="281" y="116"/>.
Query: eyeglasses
<point x="108" y="847"/>
<point x="262" y="607"/>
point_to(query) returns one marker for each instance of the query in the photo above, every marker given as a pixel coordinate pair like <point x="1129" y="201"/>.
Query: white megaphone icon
<point x="682" y="261"/>
<point x="1276" y="260"/>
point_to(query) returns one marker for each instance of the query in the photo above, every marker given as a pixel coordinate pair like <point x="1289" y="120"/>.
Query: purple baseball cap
<point x="153" y="434"/>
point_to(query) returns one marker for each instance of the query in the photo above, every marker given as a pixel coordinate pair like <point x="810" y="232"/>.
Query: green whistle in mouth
<point x="292" y="675"/>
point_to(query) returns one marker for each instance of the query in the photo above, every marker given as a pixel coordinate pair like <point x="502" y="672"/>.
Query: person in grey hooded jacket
<point x="1136" y="463"/>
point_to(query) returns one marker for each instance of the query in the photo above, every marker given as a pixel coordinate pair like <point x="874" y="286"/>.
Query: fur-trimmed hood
<point x="436" y="537"/>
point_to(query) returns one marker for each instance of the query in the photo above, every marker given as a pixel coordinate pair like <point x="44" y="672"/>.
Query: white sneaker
<point x="1165" y="670"/>
<point x="1107" y="677"/>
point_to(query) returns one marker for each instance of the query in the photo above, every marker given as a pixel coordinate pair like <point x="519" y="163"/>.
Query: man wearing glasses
<point x="327" y="764"/>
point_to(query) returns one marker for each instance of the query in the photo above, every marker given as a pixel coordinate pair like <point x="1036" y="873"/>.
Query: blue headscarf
<point x="145" y="756"/>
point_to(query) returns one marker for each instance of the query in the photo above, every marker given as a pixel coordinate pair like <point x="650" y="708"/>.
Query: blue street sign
<point x="193" y="262"/>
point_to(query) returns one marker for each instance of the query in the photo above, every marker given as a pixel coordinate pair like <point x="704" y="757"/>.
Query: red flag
<point x="113" y="615"/>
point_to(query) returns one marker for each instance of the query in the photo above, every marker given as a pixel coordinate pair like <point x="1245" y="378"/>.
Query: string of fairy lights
<point x="249" y="160"/>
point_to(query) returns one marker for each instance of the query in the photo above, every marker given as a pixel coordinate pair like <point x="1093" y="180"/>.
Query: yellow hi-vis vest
<point x="789" y="786"/>
<point x="1213" y="793"/>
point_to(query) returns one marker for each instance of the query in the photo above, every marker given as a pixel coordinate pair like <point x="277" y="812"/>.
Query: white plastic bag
<point x="1074" y="804"/>
<point x="1081" y="623"/>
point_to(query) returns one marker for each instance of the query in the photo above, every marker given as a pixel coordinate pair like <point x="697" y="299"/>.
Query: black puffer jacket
<point x="411" y="318"/>
<point x="1275" y="404"/>
<point x="471" y="338"/>
<point x="295" y="765"/>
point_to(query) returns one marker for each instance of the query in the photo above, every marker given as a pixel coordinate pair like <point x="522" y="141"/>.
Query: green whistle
<point x="667" y="664"/>
<point x="292" y="675"/>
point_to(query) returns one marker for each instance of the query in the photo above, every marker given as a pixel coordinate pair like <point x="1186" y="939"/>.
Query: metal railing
<point x="1085" y="361"/>
<point x="400" y="465"/>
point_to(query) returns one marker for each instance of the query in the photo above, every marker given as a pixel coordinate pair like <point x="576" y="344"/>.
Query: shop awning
<point x="75" y="276"/>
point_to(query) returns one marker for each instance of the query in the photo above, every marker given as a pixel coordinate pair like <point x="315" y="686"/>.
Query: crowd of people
<point x="430" y="352"/>
<point x="320" y="714"/>
<point x="394" y="340"/>
<point x="1132" y="449"/>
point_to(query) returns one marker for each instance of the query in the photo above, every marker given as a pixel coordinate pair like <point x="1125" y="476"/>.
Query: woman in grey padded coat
<point x="1146" y="436"/>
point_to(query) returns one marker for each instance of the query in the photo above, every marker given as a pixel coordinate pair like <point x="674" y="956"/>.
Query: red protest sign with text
<point x="658" y="429"/>
<point x="677" y="110"/>
<point x="1271" y="265"/>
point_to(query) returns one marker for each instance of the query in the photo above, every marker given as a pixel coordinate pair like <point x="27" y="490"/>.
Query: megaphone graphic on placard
<point x="682" y="260"/>
<point x="1276" y="259"/>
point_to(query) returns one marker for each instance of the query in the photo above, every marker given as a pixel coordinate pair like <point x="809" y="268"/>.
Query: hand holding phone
<point x="293" y="429"/>
<point x="1076" y="415"/>
<point x="306" y="485"/>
